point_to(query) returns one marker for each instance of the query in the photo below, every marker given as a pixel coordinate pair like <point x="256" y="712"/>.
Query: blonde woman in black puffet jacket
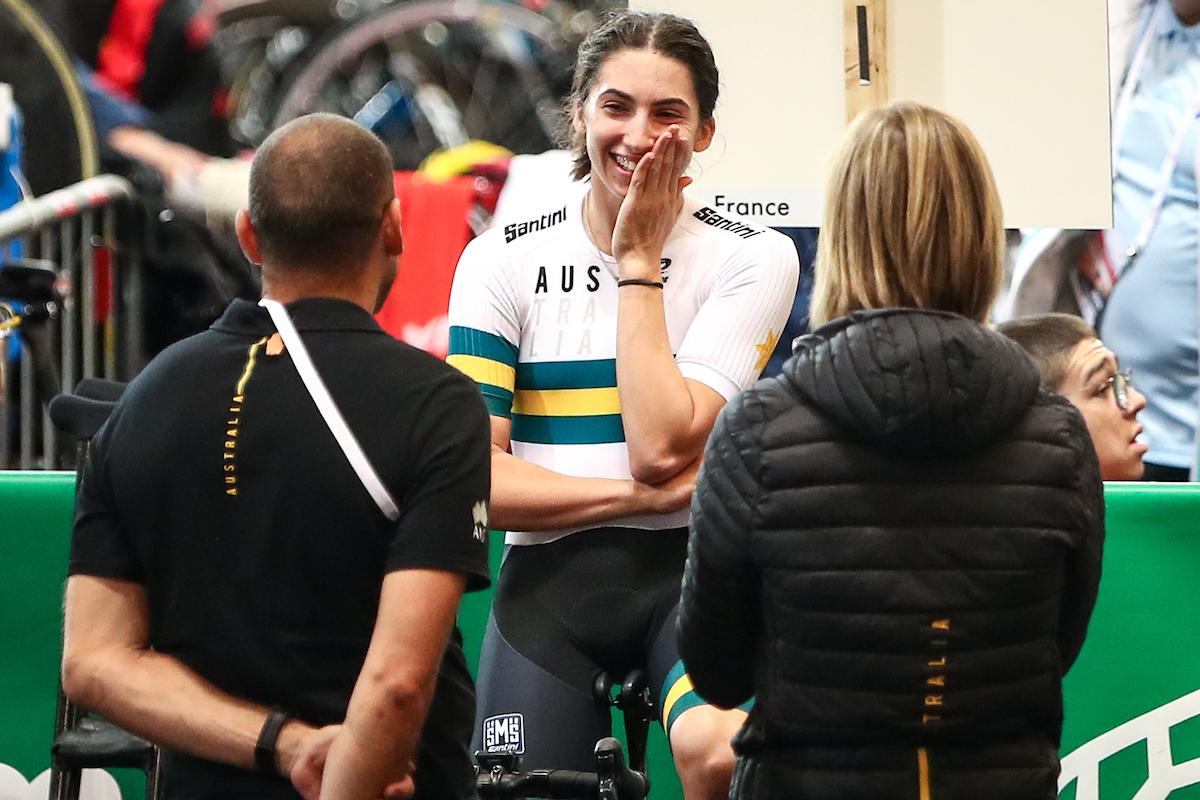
<point x="896" y="543"/>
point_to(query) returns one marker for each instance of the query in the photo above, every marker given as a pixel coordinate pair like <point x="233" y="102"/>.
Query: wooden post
<point x="866" y="55"/>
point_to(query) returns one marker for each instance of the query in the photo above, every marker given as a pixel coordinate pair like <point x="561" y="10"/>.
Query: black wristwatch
<point x="264" y="749"/>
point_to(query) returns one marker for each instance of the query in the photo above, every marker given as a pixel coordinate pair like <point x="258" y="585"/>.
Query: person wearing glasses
<point x="1075" y="363"/>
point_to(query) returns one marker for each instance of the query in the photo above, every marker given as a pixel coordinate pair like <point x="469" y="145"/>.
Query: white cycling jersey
<point x="533" y="320"/>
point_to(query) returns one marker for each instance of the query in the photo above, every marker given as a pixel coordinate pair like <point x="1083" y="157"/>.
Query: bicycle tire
<point x="524" y="114"/>
<point x="310" y="13"/>
<point x="247" y="41"/>
<point x="252" y="50"/>
<point x="48" y="92"/>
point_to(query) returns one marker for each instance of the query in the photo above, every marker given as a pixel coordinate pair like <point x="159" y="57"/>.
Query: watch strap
<point x="264" y="748"/>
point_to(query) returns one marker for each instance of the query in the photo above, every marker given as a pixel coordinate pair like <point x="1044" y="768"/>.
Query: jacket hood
<point x="915" y="381"/>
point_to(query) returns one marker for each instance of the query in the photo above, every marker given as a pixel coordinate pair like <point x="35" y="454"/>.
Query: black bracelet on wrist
<point x="264" y="749"/>
<point x="639" y="282"/>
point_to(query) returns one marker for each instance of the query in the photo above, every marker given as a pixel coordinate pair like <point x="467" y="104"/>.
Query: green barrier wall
<point x="1132" y="703"/>
<point x="35" y="520"/>
<point x="1132" y="700"/>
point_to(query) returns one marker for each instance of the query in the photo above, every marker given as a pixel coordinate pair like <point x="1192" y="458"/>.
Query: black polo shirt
<point x="217" y="485"/>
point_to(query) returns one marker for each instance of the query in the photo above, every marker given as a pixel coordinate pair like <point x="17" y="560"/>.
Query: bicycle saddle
<point x="81" y="414"/>
<point x="29" y="280"/>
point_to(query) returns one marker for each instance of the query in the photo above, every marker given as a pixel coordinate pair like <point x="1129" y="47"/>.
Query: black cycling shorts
<point x="601" y="600"/>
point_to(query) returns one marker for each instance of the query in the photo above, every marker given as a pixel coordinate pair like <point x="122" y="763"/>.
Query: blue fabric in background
<point x="1150" y="321"/>
<point x="10" y="165"/>
<point x="108" y="110"/>
<point x="805" y="240"/>
<point x="11" y="180"/>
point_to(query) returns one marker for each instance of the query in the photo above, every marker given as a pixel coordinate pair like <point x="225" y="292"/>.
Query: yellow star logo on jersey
<point x="765" y="348"/>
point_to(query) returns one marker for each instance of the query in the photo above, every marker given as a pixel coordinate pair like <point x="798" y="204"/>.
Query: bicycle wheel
<point x="435" y="74"/>
<point x="60" y="141"/>
<point x="308" y="13"/>
<point x="254" y="54"/>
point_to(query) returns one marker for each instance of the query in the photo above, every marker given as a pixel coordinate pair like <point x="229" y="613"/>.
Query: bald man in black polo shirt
<point x="236" y="595"/>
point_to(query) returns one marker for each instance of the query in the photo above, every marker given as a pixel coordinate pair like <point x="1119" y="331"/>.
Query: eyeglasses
<point x="1121" y="381"/>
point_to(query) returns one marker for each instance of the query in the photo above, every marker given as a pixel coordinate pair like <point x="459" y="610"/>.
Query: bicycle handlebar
<point x="612" y="780"/>
<point x="553" y="783"/>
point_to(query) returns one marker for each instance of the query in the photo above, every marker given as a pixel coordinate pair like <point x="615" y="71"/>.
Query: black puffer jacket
<point x="896" y="547"/>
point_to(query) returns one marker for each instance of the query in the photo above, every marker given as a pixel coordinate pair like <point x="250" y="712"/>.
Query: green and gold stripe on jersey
<point x="549" y="402"/>
<point x="490" y="361"/>
<point x="567" y="402"/>
<point x="678" y="695"/>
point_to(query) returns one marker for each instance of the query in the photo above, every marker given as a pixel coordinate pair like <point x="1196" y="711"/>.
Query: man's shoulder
<point x="397" y="356"/>
<point x="397" y="364"/>
<point x="190" y="356"/>
<point x="198" y="343"/>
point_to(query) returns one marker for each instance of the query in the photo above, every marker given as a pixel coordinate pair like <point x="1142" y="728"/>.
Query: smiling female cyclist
<point x="606" y="333"/>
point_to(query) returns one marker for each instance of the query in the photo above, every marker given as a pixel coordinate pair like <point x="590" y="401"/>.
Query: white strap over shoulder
<point x="329" y="410"/>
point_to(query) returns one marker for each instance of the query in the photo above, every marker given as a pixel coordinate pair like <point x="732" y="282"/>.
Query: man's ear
<point x="393" y="238"/>
<point x="246" y="237"/>
<point x="704" y="135"/>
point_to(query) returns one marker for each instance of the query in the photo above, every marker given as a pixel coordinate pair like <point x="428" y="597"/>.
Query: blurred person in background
<point x="151" y="75"/>
<point x="1075" y="363"/>
<point x="1149" y="259"/>
<point x="153" y="82"/>
<point x="1150" y="319"/>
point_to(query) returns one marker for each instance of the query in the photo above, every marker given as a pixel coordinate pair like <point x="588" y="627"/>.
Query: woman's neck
<point x="600" y="220"/>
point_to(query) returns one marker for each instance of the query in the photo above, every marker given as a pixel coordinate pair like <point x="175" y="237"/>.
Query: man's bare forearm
<point x="156" y="697"/>
<point x="108" y="668"/>
<point x="377" y="744"/>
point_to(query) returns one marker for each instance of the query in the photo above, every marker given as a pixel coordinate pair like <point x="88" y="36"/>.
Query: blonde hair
<point x="912" y="218"/>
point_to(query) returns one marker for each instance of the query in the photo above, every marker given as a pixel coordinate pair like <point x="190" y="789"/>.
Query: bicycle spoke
<point x="482" y="87"/>
<point x="457" y="69"/>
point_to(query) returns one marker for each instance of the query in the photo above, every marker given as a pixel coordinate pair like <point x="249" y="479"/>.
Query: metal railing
<point x="95" y="329"/>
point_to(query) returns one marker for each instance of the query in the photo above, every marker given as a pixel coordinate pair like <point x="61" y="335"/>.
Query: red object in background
<point x="434" y="220"/>
<point x="200" y="29"/>
<point x="122" y="57"/>
<point x="102" y="260"/>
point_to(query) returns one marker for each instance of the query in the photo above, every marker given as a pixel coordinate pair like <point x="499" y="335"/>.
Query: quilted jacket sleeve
<point x="1082" y="581"/>
<point x="719" y="623"/>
